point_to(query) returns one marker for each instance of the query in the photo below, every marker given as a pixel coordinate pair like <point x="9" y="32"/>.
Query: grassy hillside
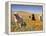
<point x="31" y="25"/>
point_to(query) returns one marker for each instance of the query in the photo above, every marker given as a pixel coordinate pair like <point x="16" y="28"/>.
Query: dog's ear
<point x="33" y="17"/>
<point x="32" y="14"/>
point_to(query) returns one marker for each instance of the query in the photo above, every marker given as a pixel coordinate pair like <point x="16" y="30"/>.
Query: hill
<point x="31" y="25"/>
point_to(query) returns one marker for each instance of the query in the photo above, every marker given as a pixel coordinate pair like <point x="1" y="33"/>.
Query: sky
<point x="29" y="8"/>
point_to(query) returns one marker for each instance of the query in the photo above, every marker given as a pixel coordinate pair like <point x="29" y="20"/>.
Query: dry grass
<point x="31" y="25"/>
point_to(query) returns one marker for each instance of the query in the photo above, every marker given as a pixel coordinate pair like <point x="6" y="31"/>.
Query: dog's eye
<point x="14" y="14"/>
